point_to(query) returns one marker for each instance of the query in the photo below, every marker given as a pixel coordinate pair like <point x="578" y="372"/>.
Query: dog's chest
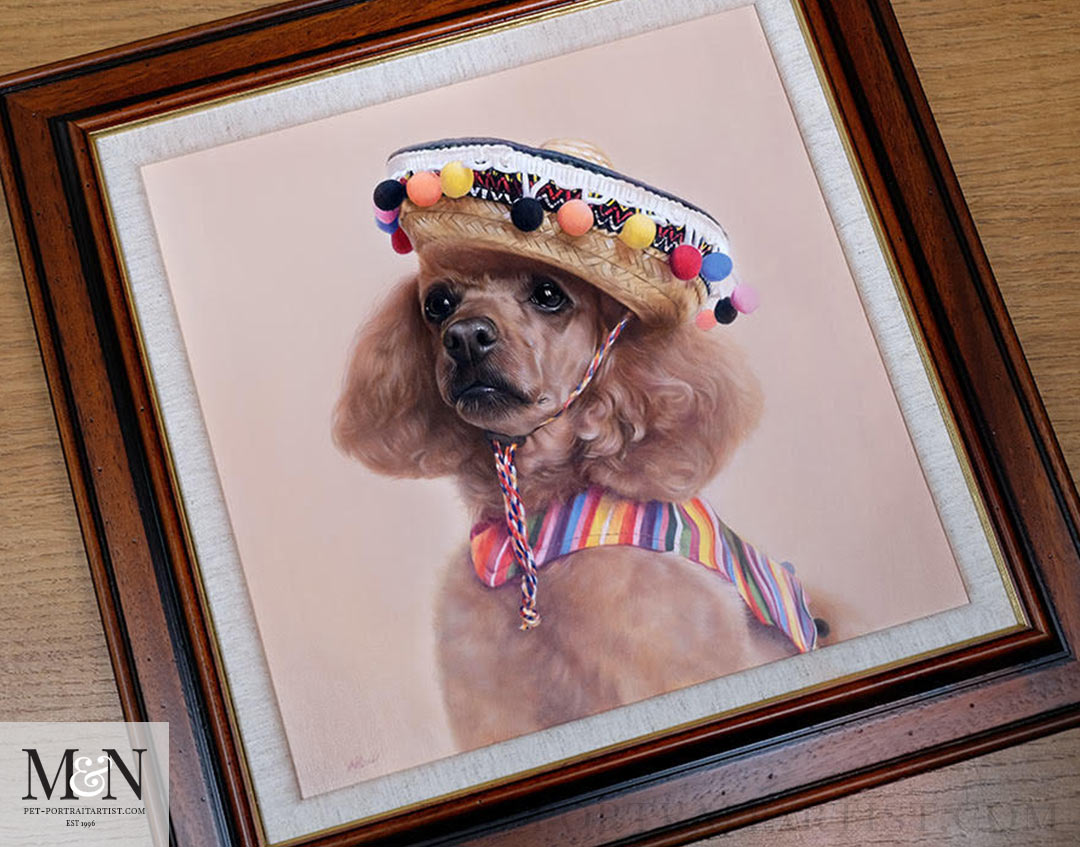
<point x="618" y="624"/>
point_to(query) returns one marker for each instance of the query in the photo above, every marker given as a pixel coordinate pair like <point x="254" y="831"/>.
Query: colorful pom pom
<point x="685" y="261"/>
<point x="705" y="319"/>
<point x="400" y="242"/>
<point x="575" y="217"/>
<point x="388" y="195"/>
<point x="386" y="215"/>
<point x="456" y="179"/>
<point x="744" y="298"/>
<point x="387" y="226"/>
<point x="424" y="188"/>
<point x="725" y="313"/>
<point x="716" y="266"/>
<point x="527" y="214"/>
<point x="638" y="231"/>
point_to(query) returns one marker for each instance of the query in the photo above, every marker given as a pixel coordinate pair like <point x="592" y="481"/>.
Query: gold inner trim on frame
<point x="1022" y="620"/>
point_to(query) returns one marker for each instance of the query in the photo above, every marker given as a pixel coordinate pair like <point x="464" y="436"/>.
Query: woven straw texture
<point x="639" y="279"/>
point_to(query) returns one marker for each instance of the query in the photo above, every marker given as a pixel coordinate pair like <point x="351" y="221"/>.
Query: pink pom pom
<point x="400" y="242"/>
<point x="685" y="261"/>
<point x="385" y="216"/>
<point x="705" y="319"/>
<point x="744" y="299"/>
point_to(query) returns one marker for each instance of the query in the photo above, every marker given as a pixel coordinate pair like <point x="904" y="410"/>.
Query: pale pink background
<point x="274" y="261"/>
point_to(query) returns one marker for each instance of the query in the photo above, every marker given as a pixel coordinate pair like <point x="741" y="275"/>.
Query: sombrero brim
<point x="639" y="279"/>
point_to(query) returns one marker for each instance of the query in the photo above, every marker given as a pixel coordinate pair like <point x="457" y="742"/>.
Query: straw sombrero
<point x="662" y="257"/>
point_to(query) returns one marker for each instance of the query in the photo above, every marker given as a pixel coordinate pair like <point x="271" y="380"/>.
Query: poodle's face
<point x="510" y="339"/>
<point x="480" y="343"/>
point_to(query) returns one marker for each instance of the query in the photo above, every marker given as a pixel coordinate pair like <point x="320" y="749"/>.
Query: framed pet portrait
<point x="495" y="422"/>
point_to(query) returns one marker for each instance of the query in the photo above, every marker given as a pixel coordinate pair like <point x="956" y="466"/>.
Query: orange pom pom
<point x="424" y="188"/>
<point x="575" y="217"/>
<point x="705" y="319"/>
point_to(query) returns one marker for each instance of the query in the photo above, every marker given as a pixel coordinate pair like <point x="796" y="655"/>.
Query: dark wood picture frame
<point x="669" y="790"/>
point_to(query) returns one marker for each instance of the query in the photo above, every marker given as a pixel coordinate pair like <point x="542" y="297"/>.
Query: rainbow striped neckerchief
<point x="597" y="517"/>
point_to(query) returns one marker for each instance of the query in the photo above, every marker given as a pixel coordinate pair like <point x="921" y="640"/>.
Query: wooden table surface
<point x="1003" y="79"/>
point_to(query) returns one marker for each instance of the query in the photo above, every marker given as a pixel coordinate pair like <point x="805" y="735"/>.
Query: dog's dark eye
<point x="548" y="296"/>
<point x="439" y="304"/>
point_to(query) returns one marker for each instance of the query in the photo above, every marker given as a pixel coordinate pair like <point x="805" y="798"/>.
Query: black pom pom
<point x="388" y="194"/>
<point x="822" y="626"/>
<point x="724" y="311"/>
<point x="527" y="214"/>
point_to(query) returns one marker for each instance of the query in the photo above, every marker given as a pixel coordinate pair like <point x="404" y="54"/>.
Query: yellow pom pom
<point x="456" y="179"/>
<point x="638" y="231"/>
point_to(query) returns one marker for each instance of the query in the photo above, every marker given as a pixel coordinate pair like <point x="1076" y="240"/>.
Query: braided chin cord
<point x="505" y="451"/>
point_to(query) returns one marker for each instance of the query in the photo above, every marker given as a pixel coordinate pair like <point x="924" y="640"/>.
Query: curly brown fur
<point x="664" y="413"/>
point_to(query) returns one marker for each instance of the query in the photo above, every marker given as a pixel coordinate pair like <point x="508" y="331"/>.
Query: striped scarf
<point x="691" y="529"/>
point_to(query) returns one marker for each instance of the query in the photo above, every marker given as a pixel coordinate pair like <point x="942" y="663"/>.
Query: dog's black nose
<point x="470" y="339"/>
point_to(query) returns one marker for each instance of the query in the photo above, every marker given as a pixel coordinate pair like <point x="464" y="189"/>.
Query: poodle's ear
<point x="390" y="415"/>
<point x="666" y="412"/>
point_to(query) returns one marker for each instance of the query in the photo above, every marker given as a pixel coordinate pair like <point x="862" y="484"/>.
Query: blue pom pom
<point x="716" y="266"/>
<point x="387" y="227"/>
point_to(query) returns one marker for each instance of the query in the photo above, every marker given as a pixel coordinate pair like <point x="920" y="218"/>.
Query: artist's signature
<point x="363" y="761"/>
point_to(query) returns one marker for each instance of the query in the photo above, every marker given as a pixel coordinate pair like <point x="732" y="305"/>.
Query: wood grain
<point x="1004" y="82"/>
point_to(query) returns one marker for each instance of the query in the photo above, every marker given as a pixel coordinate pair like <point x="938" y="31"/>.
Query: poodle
<point x="483" y="342"/>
